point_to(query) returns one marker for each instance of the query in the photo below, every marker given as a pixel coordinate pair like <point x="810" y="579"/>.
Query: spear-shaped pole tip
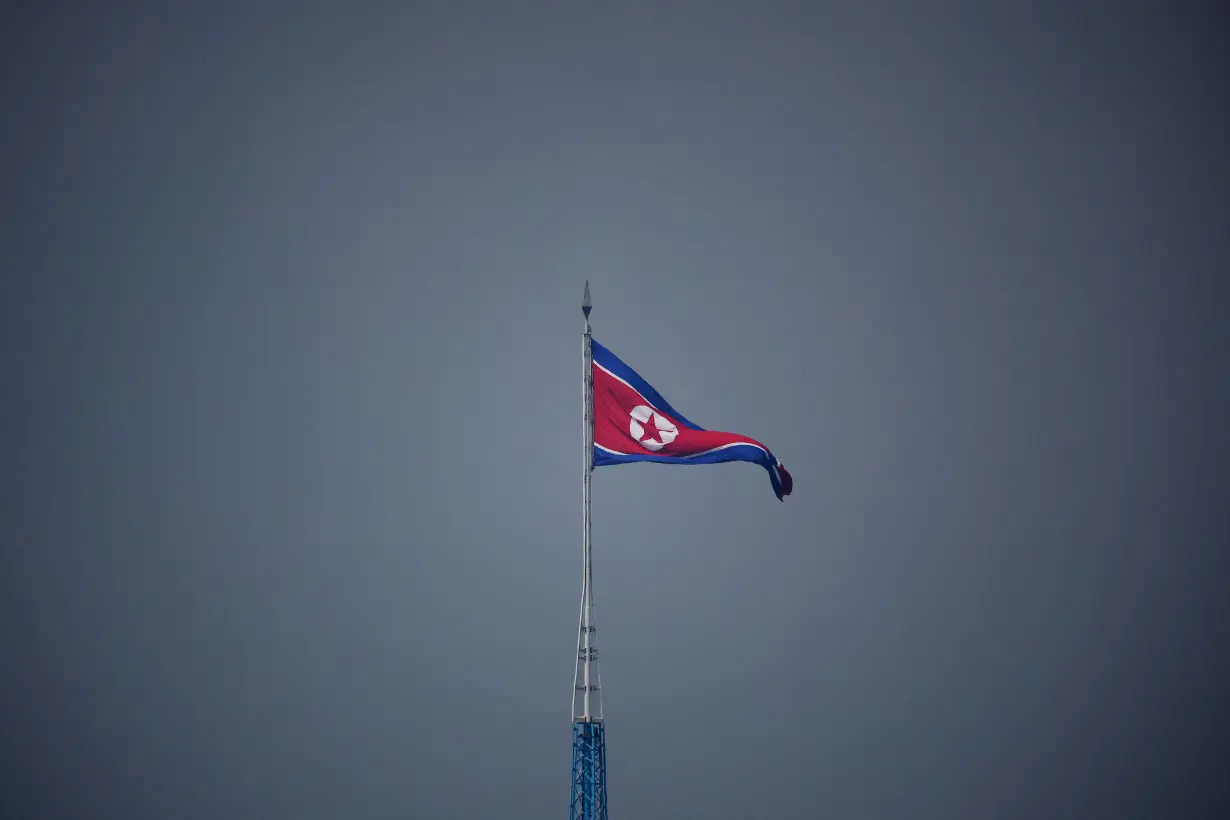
<point x="586" y="306"/>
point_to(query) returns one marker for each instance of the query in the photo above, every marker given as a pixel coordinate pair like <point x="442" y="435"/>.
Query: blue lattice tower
<point x="588" y="772"/>
<point x="588" y="789"/>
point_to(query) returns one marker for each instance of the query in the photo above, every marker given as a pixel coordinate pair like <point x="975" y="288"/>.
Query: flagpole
<point x="586" y="679"/>
<point x="587" y="475"/>
<point x="587" y="800"/>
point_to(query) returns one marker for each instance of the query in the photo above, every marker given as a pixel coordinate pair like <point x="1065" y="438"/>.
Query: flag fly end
<point x="785" y="482"/>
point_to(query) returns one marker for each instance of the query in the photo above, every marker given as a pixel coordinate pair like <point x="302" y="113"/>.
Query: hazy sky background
<point x="290" y="321"/>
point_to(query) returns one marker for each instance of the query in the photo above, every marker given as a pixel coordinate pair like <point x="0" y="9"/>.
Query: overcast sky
<point x="291" y="343"/>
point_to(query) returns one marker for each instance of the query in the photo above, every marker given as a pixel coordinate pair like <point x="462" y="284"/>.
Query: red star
<point x="650" y="428"/>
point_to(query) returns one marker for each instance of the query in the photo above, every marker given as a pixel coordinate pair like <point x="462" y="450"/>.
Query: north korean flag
<point x="632" y="422"/>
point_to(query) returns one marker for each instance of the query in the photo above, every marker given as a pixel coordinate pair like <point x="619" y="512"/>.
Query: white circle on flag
<point x="647" y="423"/>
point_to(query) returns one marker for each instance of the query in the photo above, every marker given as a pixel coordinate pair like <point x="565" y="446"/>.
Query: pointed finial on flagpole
<point x="586" y="306"/>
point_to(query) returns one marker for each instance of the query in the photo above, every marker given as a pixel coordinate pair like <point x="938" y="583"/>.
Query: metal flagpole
<point x="587" y="684"/>
<point x="588" y="798"/>
<point x="587" y="382"/>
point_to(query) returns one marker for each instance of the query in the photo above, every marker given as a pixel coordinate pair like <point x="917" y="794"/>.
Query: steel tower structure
<point x="588" y="792"/>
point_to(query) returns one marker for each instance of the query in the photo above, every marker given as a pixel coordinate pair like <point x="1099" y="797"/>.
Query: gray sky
<point x="290" y="321"/>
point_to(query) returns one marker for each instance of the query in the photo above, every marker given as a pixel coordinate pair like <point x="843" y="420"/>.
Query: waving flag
<point x="632" y="422"/>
